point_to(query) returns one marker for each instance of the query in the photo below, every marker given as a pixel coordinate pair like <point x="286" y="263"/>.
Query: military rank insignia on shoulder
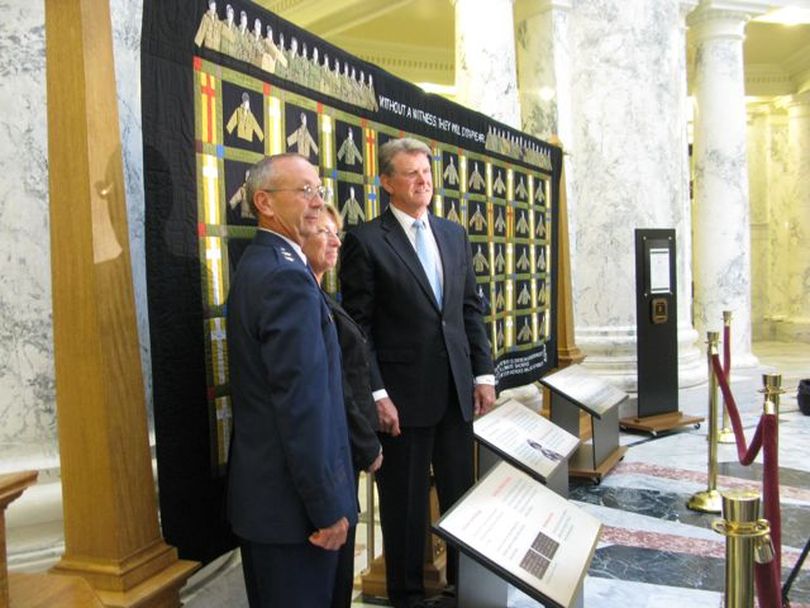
<point x="287" y="255"/>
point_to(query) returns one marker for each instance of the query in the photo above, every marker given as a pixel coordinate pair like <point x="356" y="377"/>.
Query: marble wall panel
<point x="28" y="435"/>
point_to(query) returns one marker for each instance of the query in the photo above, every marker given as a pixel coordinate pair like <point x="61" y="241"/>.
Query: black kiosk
<point x="657" y="335"/>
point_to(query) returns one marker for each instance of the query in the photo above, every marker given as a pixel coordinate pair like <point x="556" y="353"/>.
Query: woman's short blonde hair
<point x="330" y="210"/>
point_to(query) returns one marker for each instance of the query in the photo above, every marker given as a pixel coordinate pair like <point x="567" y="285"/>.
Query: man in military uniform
<point x="291" y="492"/>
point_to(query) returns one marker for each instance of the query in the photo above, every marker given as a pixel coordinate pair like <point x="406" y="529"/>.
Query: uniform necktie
<point x="428" y="260"/>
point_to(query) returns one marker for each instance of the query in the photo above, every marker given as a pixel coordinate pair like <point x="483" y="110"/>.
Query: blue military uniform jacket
<point x="290" y="469"/>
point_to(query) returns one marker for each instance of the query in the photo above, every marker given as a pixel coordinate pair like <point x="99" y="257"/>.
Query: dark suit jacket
<point x="412" y="341"/>
<point x="290" y="471"/>
<point x="361" y="411"/>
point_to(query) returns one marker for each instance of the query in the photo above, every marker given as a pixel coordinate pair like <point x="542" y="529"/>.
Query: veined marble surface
<point x="27" y="391"/>
<point x="799" y="220"/>
<point x="780" y="194"/>
<point x="757" y="137"/>
<point x="723" y="266"/>
<point x="486" y="79"/>
<point x="27" y="387"/>
<point x="628" y="93"/>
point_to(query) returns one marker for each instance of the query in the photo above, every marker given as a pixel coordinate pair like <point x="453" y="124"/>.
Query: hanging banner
<point x="224" y="86"/>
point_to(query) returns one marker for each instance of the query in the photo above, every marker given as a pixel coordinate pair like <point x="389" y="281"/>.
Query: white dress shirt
<point x="406" y="221"/>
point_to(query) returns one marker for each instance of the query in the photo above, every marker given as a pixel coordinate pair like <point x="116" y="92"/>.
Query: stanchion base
<point x="660" y="423"/>
<point x="726" y="435"/>
<point x="708" y="501"/>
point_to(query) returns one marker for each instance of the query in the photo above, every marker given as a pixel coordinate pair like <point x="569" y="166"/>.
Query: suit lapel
<point x="395" y="236"/>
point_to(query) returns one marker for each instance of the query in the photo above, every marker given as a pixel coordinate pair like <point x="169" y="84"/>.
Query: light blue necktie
<point x="428" y="260"/>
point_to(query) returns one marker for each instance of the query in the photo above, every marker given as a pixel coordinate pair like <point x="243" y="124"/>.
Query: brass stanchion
<point x="726" y="434"/>
<point x="709" y="500"/>
<point x="747" y="539"/>
<point x="772" y="388"/>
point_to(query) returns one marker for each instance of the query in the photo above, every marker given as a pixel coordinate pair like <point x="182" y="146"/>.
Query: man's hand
<point x="389" y="416"/>
<point x="483" y="398"/>
<point x="375" y="466"/>
<point x="331" y="538"/>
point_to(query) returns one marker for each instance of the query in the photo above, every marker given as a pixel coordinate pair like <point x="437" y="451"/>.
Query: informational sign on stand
<point x="585" y="389"/>
<point x="525" y="534"/>
<point x="526" y="438"/>
<point x="575" y="389"/>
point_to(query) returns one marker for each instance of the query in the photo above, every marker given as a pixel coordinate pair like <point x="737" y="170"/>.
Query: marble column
<point x="628" y="100"/>
<point x="757" y="137"/>
<point x="544" y="67"/>
<point x="486" y="78"/>
<point x="28" y="437"/>
<point x="543" y="36"/>
<point x="797" y="324"/>
<point x="722" y="246"/>
<point x="780" y="184"/>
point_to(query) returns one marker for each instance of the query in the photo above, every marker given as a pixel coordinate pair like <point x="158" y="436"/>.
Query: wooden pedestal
<point x="660" y="423"/>
<point x="112" y="535"/>
<point x="51" y="591"/>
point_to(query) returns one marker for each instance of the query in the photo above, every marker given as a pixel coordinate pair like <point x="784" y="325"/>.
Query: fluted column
<point x="486" y="78"/>
<point x="721" y="227"/>
<point x="797" y="323"/>
<point x="628" y="99"/>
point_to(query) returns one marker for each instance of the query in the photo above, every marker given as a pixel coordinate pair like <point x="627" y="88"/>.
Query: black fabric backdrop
<point x="194" y="237"/>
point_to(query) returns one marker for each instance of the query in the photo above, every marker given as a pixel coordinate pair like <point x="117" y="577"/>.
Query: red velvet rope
<point x="770" y="501"/>
<point x="766" y="437"/>
<point x="745" y="455"/>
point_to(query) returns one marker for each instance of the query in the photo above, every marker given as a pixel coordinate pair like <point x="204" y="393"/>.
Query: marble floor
<point x="653" y="551"/>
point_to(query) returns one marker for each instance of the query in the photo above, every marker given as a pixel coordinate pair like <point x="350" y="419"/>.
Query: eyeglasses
<point x="307" y="191"/>
<point x="328" y="233"/>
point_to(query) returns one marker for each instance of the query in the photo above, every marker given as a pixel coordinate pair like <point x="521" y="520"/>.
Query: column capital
<point x="758" y="109"/>
<point x="714" y="19"/>
<point x="798" y="105"/>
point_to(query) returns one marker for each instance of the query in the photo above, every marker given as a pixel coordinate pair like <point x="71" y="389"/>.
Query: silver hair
<point x="262" y="175"/>
<point x="392" y="147"/>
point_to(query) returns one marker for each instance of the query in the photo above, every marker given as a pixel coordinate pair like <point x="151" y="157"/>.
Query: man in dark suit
<point x="291" y="495"/>
<point x="407" y="279"/>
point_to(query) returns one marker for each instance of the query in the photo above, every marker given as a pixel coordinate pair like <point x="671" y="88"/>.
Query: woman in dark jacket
<point x="321" y="250"/>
